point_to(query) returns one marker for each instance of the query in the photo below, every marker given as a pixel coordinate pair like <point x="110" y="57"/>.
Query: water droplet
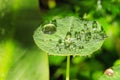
<point x="82" y="31"/>
<point x="68" y="35"/>
<point x="49" y="28"/>
<point x="58" y="47"/>
<point x="68" y="41"/>
<point x="60" y="41"/>
<point x="94" y="25"/>
<point x="109" y="72"/>
<point x="88" y="36"/>
<point x="81" y="47"/>
<point x="77" y="35"/>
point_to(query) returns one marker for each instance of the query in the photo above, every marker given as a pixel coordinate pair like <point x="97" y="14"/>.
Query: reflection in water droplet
<point x="49" y="29"/>
<point x="94" y="25"/>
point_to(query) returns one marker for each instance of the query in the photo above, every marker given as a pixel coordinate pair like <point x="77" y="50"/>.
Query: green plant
<point x="69" y="36"/>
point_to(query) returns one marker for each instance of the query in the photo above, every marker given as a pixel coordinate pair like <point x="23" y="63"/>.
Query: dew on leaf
<point x="83" y="31"/>
<point x="68" y="35"/>
<point x="60" y="41"/>
<point x="77" y="35"/>
<point x="58" y="47"/>
<point x="49" y="29"/>
<point x="88" y="36"/>
<point x="68" y="41"/>
<point x="94" y="25"/>
<point x="81" y="47"/>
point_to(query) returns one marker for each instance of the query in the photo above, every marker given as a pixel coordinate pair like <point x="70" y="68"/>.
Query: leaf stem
<point x="68" y="67"/>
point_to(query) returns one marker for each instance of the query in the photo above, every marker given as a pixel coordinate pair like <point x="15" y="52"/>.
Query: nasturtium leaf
<point x="69" y="36"/>
<point x="111" y="73"/>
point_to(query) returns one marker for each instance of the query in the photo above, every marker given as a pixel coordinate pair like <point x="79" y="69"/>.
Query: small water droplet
<point x="68" y="34"/>
<point x="81" y="47"/>
<point x="68" y="41"/>
<point x="49" y="28"/>
<point x="58" y="47"/>
<point x="82" y="31"/>
<point x="68" y="37"/>
<point x="88" y="36"/>
<point x="77" y="35"/>
<point x="60" y="41"/>
<point x="94" y="25"/>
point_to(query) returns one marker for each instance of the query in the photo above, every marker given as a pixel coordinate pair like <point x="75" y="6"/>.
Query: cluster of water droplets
<point x="75" y="40"/>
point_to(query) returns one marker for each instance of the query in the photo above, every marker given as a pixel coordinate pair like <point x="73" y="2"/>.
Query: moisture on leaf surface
<point x="69" y="36"/>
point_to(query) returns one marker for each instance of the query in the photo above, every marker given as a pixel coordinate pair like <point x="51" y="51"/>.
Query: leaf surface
<point x="69" y="36"/>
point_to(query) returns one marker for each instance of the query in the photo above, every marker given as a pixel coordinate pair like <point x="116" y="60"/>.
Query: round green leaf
<point x="69" y="36"/>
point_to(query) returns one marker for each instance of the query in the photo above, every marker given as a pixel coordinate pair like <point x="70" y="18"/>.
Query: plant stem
<point x="68" y="67"/>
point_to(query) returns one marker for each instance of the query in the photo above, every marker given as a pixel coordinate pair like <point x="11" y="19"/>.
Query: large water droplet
<point x="49" y="28"/>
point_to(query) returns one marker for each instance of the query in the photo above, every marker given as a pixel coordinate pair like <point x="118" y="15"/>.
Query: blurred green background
<point x="20" y="58"/>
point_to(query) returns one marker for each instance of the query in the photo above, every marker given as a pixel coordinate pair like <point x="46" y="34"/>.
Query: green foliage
<point x="19" y="19"/>
<point x="69" y="36"/>
<point x="32" y="64"/>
